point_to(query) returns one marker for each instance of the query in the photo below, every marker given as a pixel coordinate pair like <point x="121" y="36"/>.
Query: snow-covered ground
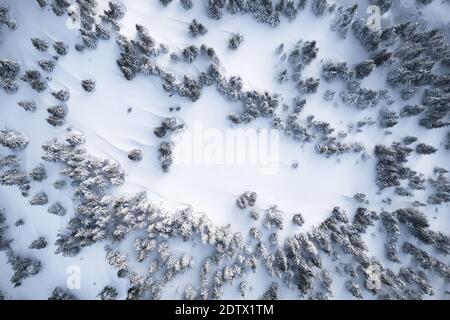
<point x="121" y="115"/>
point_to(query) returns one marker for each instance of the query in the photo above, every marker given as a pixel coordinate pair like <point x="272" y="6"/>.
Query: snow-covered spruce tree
<point x="168" y="126"/>
<point x="369" y="38"/>
<point x="135" y="155"/>
<point x="364" y="68"/>
<point x="108" y="293"/>
<point x="57" y="115"/>
<point x="318" y="7"/>
<point x="389" y="168"/>
<point x="287" y="8"/>
<point x="411" y="110"/>
<point x="57" y="208"/>
<point x="60" y="47"/>
<point x="235" y="41"/>
<point x="115" y="12"/>
<point x="165" y="150"/>
<point x="88" y="85"/>
<point x="40" y="44"/>
<point x="60" y="294"/>
<point x="13" y="139"/>
<point x="441" y="188"/>
<point x="215" y="9"/>
<point x="265" y="12"/>
<point x="423" y="149"/>
<point x="272" y="293"/>
<point x="39" y="199"/>
<point x="298" y="219"/>
<point x="47" y="65"/>
<point x="437" y="105"/>
<point x="343" y="19"/>
<point x="35" y="80"/>
<point x="5" y="17"/>
<point x="360" y="97"/>
<point x="247" y="199"/>
<point x="392" y="226"/>
<point x="197" y="29"/>
<point x="27" y="105"/>
<point x="416" y="73"/>
<point x="23" y="267"/>
<point x="426" y="261"/>
<point x="9" y="70"/>
<point x="384" y="5"/>
<point x="187" y="4"/>
<point x="11" y="174"/>
<point x="59" y="7"/>
<point x="273" y="218"/>
<point x="332" y="70"/>
<point x="61" y="95"/>
<point x="387" y="118"/>
<point x="190" y="53"/>
<point x="39" y="243"/>
<point x="308" y="86"/>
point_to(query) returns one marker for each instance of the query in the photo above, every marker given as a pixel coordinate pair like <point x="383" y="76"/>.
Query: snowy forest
<point x="101" y="101"/>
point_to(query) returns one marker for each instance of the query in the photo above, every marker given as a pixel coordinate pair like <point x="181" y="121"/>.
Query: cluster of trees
<point x="22" y="266"/>
<point x="197" y="29"/>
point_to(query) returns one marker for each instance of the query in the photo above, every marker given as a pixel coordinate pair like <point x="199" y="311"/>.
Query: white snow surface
<point x="314" y="188"/>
